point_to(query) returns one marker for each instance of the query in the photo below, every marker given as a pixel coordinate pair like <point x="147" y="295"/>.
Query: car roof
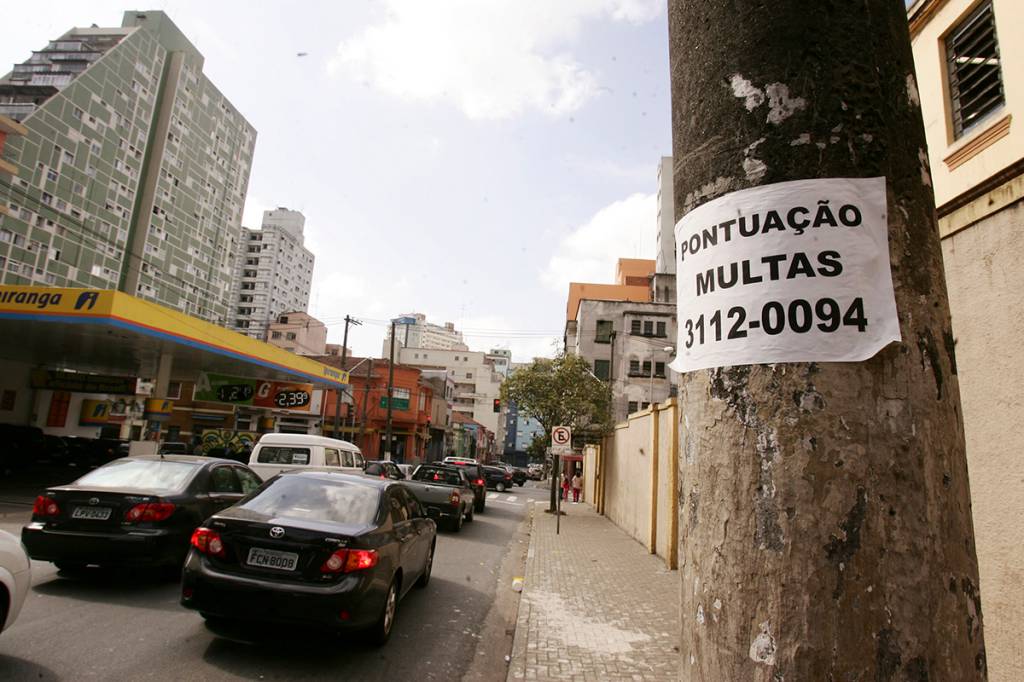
<point x="335" y="476"/>
<point x="303" y="439"/>
<point x="189" y="459"/>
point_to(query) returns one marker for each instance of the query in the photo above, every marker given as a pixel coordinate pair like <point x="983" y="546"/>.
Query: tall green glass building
<point x="134" y="170"/>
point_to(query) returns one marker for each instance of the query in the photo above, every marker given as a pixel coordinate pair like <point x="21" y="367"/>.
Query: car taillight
<point x="454" y="499"/>
<point x="151" y="511"/>
<point x="208" y="542"/>
<point x="508" y="477"/>
<point x="349" y="560"/>
<point x="479" y="481"/>
<point x="45" y="506"/>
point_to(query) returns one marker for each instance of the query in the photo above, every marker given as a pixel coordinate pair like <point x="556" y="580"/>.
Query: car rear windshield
<point x="154" y="474"/>
<point x="274" y="454"/>
<point x="315" y="499"/>
<point x="434" y="474"/>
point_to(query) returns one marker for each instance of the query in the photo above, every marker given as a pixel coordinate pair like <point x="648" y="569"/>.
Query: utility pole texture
<point x="825" y="511"/>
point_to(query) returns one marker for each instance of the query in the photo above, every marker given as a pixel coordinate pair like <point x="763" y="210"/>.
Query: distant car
<point x="276" y="453"/>
<point x="15" y="578"/>
<point x="445" y="492"/>
<point x="135" y="511"/>
<point x="475" y="474"/>
<point x="384" y="469"/>
<point x="535" y="472"/>
<point x="407" y="469"/>
<point x="498" y="478"/>
<point x="312" y="547"/>
<point x="174" y="448"/>
<point x="518" y="475"/>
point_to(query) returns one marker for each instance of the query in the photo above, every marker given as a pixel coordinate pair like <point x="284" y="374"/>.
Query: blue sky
<point x="461" y="158"/>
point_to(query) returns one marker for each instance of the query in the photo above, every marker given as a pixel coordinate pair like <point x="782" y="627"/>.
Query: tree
<point x="826" y="510"/>
<point x="560" y="392"/>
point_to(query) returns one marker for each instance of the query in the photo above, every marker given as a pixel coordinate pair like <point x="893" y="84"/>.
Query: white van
<point x="277" y="452"/>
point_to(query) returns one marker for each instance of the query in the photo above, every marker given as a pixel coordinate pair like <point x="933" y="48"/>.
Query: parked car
<point x="15" y="578"/>
<point x="535" y="472"/>
<point x="445" y="492"/>
<point x="383" y="469"/>
<point x="279" y="452"/>
<point x="20" y="447"/>
<point x="133" y="511"/>
<point x="498" y="478"/>
<point x="475" y="474"/>
<point x="312" y="547"/>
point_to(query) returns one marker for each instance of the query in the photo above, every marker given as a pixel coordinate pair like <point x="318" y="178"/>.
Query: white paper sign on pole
<point x="791" y="272"/>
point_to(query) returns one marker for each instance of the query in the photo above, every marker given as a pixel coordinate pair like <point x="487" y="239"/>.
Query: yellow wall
<point x="633" y="267"/>
<point x="930" y="22"/>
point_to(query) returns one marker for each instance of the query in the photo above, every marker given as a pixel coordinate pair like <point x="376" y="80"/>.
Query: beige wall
<point x="638" y="463"/>
<point x="931" y="26"/>
<point x="985" y="282"/>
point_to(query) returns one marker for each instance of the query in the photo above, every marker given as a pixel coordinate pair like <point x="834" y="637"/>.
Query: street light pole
<point x="338" y="392"/>
<point x="391" y="386"/>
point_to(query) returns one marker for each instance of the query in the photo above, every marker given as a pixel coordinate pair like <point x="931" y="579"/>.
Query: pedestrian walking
<point x="577" y="486"/>
<point x="565" y="487"/>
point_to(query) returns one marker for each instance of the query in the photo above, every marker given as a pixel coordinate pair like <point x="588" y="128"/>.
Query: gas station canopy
<point x="110" y="332"/>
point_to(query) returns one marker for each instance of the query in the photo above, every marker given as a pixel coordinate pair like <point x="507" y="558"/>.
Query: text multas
<point x="777" y="266"/>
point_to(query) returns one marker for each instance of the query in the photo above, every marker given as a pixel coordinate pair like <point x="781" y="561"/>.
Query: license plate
<point x="269" y="558"/>
<point x="91" y="513"/>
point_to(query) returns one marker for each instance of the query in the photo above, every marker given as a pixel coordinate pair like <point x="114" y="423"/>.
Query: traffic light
<point x="497" y="404"/>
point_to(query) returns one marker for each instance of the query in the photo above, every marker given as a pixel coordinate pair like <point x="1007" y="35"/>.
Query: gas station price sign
<point x="220" y="388"/>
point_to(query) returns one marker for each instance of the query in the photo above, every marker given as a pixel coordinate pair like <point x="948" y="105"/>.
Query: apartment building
<point x="273" y="272"/>
<point x="970" y="82"/>
<point x="423" y="334"/>
<point x="299" y="333"/>
<point x="133" y="171"/>
<point x="476" y="382"/>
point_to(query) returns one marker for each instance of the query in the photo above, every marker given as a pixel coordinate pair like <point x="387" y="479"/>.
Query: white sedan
<point x="15" y="578"/>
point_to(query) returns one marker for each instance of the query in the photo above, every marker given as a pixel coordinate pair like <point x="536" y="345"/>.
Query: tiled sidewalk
<point x="595" y="605"/>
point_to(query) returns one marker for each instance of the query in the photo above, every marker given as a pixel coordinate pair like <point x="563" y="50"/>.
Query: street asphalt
<point x="129" y="626"/>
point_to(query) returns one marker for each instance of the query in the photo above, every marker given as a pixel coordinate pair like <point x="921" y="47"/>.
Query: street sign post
<point x="561" y="444"/>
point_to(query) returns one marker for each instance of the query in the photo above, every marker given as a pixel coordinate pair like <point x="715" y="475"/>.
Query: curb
<point x="516" y="666"/>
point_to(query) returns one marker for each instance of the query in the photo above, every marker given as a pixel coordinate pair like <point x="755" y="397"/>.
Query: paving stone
<point x="595" y="605"/>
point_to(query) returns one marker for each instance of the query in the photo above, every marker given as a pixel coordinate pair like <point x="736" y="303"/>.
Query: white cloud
<point x="494" y="58"/>
<point x="624" y="229"/>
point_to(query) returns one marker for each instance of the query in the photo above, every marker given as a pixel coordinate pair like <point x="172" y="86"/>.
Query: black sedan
<point x="312" y="548"/>
<point x="498" y="478"/>
<point x="133" y="511"/>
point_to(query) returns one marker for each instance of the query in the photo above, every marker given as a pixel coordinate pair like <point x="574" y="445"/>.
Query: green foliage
<point x="537" y="449"/>
<point x="560" y="391"/>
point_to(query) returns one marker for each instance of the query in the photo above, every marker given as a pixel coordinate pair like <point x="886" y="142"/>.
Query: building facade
<point x="970" y="84"/>
<point x="423" y="334"/>
<point x="477" y="384"/>
<point x="273" y="272"/>
<point x="299" y="333"/>
<point x="629" y="344"/>
<point x="133" y="171"/>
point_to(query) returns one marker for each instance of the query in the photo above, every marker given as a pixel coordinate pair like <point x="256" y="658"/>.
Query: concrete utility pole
<point x="338" y="392"/>
<point x="826" y="512"/>
<point x="391" y="388"/>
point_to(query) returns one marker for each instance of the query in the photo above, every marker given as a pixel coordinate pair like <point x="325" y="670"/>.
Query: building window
<point x="604" y="331"/>
<point x="632" y="407"/>
<point x="973" y="65"/>
<point x="634" y="368"/>
<point x="634" y="327"/>
<point x="659" y="370"/>
<point x="174" y="390"/>
<point x="602" y="369"/>
<point x="661" y="330"/>
<point x="290" y="336"/>
<point x="275" y="335"/>
<point x="644" y="405"/>
<point x="647" y="368"/>
<point x="648" y="328"/>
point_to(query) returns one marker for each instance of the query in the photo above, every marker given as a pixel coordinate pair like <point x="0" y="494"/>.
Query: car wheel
<point x="500" y="487"/>
<point x="456" y="523"/>
<point x="381" y="630"/>
<point x="469" y="514"/>
<point x="424" y="579"/>
<point x="478" y="503"/>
